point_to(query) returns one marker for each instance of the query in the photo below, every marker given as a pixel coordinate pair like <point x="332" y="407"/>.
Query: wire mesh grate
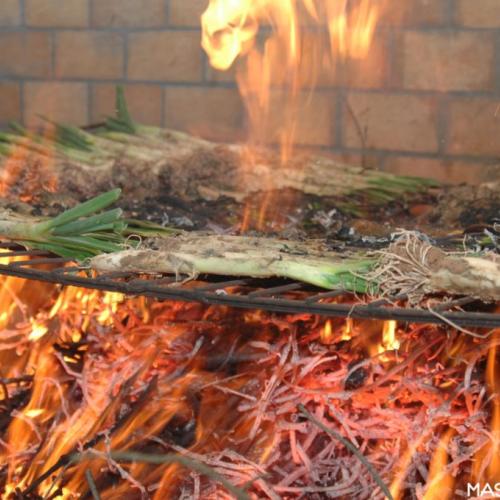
<point x="282" y="296"/>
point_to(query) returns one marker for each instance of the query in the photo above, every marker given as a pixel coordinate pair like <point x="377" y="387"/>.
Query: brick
<point x="416" y="13"/>
<point x="186" y="13"/>
<point x="129" y="13"/>
<point x="64" y="102"/>
<point x="25" y="54"/>
<point x="10" y="102"/>
<point x="447" y="61"/>
<point x="10" y="13"/>
<point x="371" y="71"/>
<point x="57" y="13"/>
<point x="144" y="102"/>
<point x="447" y="170"/>
<point x="367" y="160"/>
<point x="391" y="122"/>
<point x="474" y="14"/>
<point x="213" y="113"/>
<point x="474" y="127"/>
<point x="171" y="56"/>
<point x="89" y="54"/>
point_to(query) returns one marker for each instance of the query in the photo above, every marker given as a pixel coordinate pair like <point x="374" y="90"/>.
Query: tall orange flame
<point x="291" y="55"/>
<point x="487" y="461"/>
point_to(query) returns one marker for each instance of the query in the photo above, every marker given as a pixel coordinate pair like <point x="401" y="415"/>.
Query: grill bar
<point x="290" y="297"/>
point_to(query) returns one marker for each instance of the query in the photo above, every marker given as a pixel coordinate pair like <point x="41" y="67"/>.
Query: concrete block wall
<point x="427" y="97"/>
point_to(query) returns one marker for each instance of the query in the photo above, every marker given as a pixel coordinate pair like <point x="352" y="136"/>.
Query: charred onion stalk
<point x="409" y="266"/>
<point x="200" y="253"/>
<point x="86" y="163"/>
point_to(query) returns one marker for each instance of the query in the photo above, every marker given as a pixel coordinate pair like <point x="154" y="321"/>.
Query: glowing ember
<point x="37" y="332"/>
<point x="35" y="412"/>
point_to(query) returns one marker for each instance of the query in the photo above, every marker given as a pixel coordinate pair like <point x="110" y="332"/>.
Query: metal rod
<point x="275" y="290"/>
<point x="150" y="289"/>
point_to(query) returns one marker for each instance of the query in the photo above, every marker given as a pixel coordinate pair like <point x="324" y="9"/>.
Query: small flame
<point x="326" y="334"/>
<point x="389" y="340"/>
<point x="347" y="330"/>
<point x="111" y="301"/>
<point x="352" y="32"/>
<point x="440" y="482"/>
<point x="10" y="489"/>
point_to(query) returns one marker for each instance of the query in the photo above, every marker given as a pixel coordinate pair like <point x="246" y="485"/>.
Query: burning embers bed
<point x="104" y="396"/>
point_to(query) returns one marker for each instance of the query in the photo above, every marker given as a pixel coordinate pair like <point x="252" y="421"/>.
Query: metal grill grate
<point x="248" y="293"/>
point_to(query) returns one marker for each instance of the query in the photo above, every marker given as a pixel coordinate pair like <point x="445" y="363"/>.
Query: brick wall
<point x="427" y="99"/>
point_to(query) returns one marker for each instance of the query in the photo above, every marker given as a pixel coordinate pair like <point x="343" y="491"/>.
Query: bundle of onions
<point x="121" y="145"/>
<point x="80" y="232"/>
<point x="94" y="233"/>
<point x="90" y="231"/>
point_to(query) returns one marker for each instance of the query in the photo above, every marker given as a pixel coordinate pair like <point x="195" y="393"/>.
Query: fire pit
<point x="189" y="319"/>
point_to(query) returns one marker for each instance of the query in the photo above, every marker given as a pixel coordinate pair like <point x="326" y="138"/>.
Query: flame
<point x="389" y="339"/>
<point x="352" y="39"/>
<point x="493" y="381"/>
<point x="289" y="57"/>
<point x="277" y="73"/>
<point x="111" y="300"/>
<point x="440" y="482"/>
<point x="326" y="334"/>
<point x="403" y="464"/>
<point x="489" y="455"/>
<point x="230" y="28"/>
<point x="347" y="330"/>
